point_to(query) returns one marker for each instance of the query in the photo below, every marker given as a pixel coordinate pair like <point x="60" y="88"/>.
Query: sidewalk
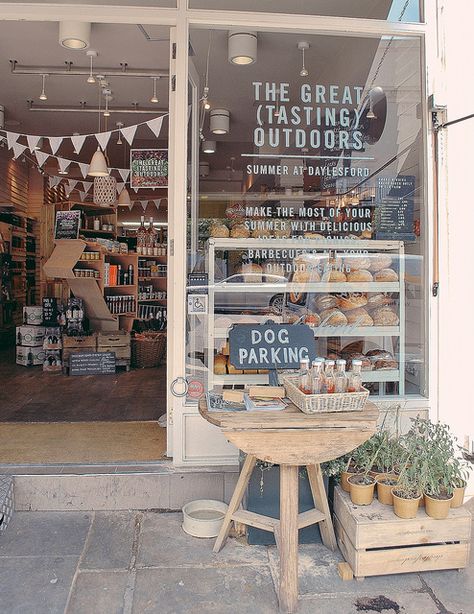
<point x="142" y="562"/>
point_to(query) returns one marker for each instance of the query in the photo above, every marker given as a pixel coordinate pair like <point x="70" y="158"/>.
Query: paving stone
<point x="318" y="574"/>
<point x="101" y="592"/>
<point x="110" y="541"/>
<point x="163" y="543"/>
<point x="45" y="533"/>
<point x="455" y="589"/>
<point x="411" y="603"/>
<point x="35" y="585"/>
<point x="231" y="590"/>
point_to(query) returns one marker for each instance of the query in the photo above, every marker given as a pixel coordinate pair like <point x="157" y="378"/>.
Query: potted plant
<point x="461" y="470"/>
<point x="389" y="457"/>
<point x="362" y="485"/>
<point x="408" y="491"/>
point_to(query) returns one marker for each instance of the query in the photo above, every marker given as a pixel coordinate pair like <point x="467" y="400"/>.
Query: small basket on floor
<point x="148" y="349"/>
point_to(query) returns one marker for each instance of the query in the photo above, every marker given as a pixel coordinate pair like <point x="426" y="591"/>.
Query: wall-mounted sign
<point x="148" y="168"/>
<point x="67" y="224"/>
<point x="394" y="208"/>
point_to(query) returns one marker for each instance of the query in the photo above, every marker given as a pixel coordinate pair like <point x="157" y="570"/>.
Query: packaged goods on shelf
<point x="86" y="273"/>
<point x="29" y="356"/>
<point x="33" y="315"/>
<point x="52" y="361"/>
<point x="31" y="336"/>
<point x="52" y="339"/>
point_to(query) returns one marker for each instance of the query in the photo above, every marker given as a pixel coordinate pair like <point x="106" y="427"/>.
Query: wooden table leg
<point x="237" y="497"/>
<point x="288" y="538"/>
<point x="321" y="503"/>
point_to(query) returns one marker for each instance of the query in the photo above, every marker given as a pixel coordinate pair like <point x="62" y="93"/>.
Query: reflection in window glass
<point x="310" y="204"/>
<point x="390" y="10"/>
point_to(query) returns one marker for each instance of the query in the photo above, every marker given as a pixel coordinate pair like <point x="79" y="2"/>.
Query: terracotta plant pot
<point x="405" y="508"/>
<point x="345" y="475"/>
<point x="361" y="493"/>
<point x="458" y="496"/>
<point x="437" y="508"/>
<point x="384" y="491"/>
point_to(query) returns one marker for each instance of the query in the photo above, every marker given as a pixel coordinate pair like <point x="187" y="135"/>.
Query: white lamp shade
<point x="74" y="34"/>
<point x="124" y="198"/>
<point x="209" y="147"/>
<point x="242" y="47"/>
<point x="98" y="165"/>
<point x="219" y="121"/>
<point x="203" y="169"/>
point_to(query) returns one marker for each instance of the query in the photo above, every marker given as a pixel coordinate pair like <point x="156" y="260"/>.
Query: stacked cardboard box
<point x="30" y="337"/>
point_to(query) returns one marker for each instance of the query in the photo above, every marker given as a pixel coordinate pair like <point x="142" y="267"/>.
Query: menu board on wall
<point x="394" y="208"/>
<point x="148" y="168"/>
<point x="67" y="224"/>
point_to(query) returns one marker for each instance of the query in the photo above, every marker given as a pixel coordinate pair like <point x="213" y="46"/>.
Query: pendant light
<point x="219" y="121"/>
<point x="124" y="198"/>
<point x="375" y="94"/>
<point x="154" y="98"/>
<point x="209" y="147"/>
<point x="43" y="93"/>
<point x="98" y="166"/>
<point x="303" y="46"/>
<point x="74" y="34"/>
<point x="91" y="54"/>
<point x="119" y="125"/>
<point x="242" y="47"/>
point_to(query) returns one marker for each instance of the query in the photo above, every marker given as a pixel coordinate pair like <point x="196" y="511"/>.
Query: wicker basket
<point x="148" y="350"/>
<point x="315" y="403"/>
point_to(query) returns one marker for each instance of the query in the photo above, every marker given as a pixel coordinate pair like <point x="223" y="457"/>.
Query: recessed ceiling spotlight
<point x="303" y="46"/>
<point x="242" y="47"/>
<point x="91" y="53"/>
<point x="74" y="34"/>
<point x="43" y="93"/>
<point x="154" y="98"/>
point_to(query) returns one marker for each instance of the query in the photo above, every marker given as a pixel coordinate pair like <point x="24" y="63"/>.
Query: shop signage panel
<point x="270" y="346"/>
<point x="92" y="363"/>
<point x="394" y="210"/>
<point x="148" y="168"/>
<point x="67" y="224"/>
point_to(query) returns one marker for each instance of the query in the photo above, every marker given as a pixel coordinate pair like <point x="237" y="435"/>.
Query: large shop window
<point x="309" y="204"/>
<point x="389" y="10"/>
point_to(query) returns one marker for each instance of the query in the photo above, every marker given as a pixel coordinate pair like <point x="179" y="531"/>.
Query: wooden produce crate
<point x="71" y="345"/>
<point x="117" y="342"/>
<point x="374" y="541"/>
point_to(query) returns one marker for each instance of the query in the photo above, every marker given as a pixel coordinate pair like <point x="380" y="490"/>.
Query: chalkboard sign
<point x="270" y="346"/>
<point x="92" y="363"/>
<point x="67" y="224"/>
<point x="50" y="311"/>
<point x="394" y="208"/>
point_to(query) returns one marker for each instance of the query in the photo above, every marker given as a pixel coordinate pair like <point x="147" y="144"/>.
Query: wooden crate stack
<point x="374" y="541"/>
<point x="117" y="342"/>
<point x="71" y="345"/>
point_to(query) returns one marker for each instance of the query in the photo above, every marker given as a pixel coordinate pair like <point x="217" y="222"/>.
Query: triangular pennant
<point x="41" y="157"/>
<point x="54" y="181"/>
<point x="18" y="149"/>
<point x="130" y="206"/>
<point x="63" y="164"/>
<point x="68" y="189"/>
<point x="78" y="142"/>
<point x="87" y="185"/>
<point x="55" y="143"/>
<point x="12" y="138"/>
<point x="72" y="183"/>
<point x="82" y="195"/>
<point x="144" y="204"/>
<point x="157" y="202"/>
<point x="129" y="133"/>
<point x="155" y="125"/>
<point x="32" y="141"/>
<point x="84" y="168"/>
<point x="124" y="173"/>
<point x="103" y="138"/>
<point x="120" y="187"/>
<point x="136" y="190"/>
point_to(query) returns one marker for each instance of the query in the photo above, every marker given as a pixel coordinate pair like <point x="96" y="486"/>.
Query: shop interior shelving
<point x="218" y="334"/>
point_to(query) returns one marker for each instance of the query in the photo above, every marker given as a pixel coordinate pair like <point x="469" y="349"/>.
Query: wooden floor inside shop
<point x="27" y="394"/>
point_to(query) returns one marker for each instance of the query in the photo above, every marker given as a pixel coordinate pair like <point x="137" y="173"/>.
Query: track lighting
<point x="242" y="47"/>
<point x="154" y="98"/>
<point x="43" y="93"/>
<point x="91" y="54"/>
<point x="303" y="46"/>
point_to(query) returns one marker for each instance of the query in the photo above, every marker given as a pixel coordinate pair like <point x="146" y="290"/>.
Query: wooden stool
<point x="291" y="439"/>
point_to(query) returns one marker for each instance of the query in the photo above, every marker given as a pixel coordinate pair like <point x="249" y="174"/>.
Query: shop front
<point x="299" y="191"/>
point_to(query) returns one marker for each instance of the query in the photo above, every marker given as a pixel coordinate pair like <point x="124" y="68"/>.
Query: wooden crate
<point x="375" y="542"/>
<point x="121" y="352"/>
<point x="119" y="338"/>
<point x="79" y="343"/>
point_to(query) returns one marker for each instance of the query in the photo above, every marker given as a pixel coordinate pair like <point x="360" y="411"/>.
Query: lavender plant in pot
<point x="440" y="450"/>
<point x="389" y="456"/>
<point x="362" y="485"/>
<point x="408" y="491"/>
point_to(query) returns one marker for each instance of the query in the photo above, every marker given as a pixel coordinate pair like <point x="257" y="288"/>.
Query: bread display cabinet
<point x="351" y="292"/>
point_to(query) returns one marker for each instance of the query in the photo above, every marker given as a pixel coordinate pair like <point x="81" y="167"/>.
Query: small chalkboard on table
<point x="92" y="363"/>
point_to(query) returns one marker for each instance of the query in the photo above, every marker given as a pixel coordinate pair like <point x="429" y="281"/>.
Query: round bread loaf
<point x="351" y="300"/>
<point x="355" y="263"/>
<point x="386" y="275"/>
<point x="219" y="231"/>
<point x="313" y="319"/>
<point x="325" y="301"/>
<point x="333" y="317"/>
<point x="379" y="262"/>
<point x="385" y="316"/>
<point x="240" y="231"/>
<point x="359" y="276"/>
<point x="359" y="316"/>
<point x="378" y="299"/>
<point x="220" y="364"/>
<point x="366" y="363"/>
<point x="337" y="276"/>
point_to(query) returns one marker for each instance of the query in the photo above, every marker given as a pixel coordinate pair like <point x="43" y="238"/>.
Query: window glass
<point x="309" y="205"/>
<point x="390" y="10"/>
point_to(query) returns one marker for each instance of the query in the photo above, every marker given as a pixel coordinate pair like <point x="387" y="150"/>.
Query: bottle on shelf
<point x="96" y="223"/>
<point x="305" y="376"/>
<point x="329" y="376"/>
<point x="130" y="274"/>
<point x="340" y="379"/>
<point x="316" y="377"/>
<point x="354" y="383"/>
<point x="151" y="239"/>
<point x="141" y="237"/>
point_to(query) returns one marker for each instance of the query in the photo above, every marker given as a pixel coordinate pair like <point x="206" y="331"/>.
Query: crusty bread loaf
<point x="360" y="275"/>
<point x="359" y="317"/>
<point x="379" y="261"/>
<point x="333" y="317"/>
<point x="386" y="275"/>
<point x="351" y="300"/>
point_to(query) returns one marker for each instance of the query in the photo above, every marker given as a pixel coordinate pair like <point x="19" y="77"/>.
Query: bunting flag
<point x="87" y="185"/>
<point x="63" y="164"/>
<point x="55" y="143"/>
<point x="155" y="125"/>
<point x="78" y="142"/>
<point x="120" y="187"/>
<point x="82" y="195"/>
<point x="41" y="157"/>
<point x="144" y="204"/>
<point x="103" y="138"/>
<point x="12" y="138"/>
<point x="84" y="168"/>
<point x="157" y="203"/>
<point x="130" y="206"/>
<point x="32" y="141"/>
<point x="54" y="181"/>
<point x="129" y="133"/>
<point x="124" y="173"/>
<point x="18" y="149"/>
<point x="72" y="183"/>
<point x="68" y="190"/>
<point x="136" y="190"/>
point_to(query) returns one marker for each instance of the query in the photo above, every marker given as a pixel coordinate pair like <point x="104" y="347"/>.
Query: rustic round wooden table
<point x="290" y="439"/>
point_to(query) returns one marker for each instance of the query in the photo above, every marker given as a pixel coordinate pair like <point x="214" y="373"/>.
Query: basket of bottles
<point x="320" y="389"/>
<point x="148" y="349"/>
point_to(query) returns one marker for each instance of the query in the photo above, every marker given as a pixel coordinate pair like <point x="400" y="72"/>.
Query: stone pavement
<point x="142" y="562"/>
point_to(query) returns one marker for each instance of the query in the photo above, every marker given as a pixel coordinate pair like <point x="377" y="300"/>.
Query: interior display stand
<point x="218" y="288"/>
